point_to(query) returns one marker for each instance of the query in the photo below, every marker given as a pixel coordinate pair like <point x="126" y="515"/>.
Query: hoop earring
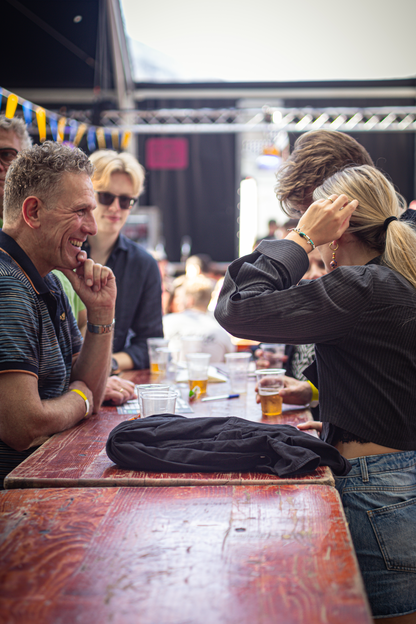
<point x="333" y="262"/>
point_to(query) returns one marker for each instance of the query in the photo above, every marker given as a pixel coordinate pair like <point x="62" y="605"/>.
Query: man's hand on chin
<point x="95" y="284"/>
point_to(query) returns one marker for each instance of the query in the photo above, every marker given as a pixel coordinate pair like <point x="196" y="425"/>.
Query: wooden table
<point x="77" y="457"/>
<point x="197" y="555"/>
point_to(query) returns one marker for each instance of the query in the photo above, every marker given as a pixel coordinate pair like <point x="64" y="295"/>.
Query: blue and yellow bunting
<point x="62" y="127"/>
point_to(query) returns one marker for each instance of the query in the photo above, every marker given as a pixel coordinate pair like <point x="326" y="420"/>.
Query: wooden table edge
<point x="11" y="483"/>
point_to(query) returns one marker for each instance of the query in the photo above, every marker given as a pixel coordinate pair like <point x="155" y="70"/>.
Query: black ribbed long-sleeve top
<point x="362" y="320"/>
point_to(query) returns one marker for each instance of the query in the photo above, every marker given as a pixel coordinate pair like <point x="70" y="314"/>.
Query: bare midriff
<point x="351" y="450"/>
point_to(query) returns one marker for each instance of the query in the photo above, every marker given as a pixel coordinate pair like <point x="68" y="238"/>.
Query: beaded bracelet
<point x="305" y="236"/>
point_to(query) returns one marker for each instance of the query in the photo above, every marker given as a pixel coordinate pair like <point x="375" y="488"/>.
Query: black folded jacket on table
<point x="172" y="443"/>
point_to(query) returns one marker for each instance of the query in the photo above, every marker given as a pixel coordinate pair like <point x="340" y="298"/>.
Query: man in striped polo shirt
<point x="49" y="378"/>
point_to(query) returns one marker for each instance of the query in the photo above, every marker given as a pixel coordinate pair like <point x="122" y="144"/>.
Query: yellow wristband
<point x="315" y="392"/>
<point x="81" y="394"/>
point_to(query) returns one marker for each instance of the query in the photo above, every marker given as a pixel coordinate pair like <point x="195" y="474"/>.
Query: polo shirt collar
<point x="9" y="245"/>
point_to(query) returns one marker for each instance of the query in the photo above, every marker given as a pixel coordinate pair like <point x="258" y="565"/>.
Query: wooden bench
<point x="271" y="554"/>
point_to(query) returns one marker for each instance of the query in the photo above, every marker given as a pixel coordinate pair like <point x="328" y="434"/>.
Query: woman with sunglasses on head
<point x="361" y="317"/>
<point x="118" y="181"/>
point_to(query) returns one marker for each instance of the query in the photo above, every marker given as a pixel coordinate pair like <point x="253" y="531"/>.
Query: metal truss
<point x="267" y="119"/>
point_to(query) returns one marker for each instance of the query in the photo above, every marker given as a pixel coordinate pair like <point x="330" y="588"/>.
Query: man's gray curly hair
<point x="19" y="128"/>
<point x="38" y="171"/>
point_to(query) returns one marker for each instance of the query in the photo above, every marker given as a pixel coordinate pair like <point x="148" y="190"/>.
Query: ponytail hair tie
<point x="387" y="221"/>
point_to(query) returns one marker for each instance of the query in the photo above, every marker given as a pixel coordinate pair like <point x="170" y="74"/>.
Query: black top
<point x="139" y="299"/>
<point x="362" y="320"/>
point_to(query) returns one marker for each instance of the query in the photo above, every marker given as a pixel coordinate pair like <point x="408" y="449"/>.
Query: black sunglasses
<point x="7" y="155"/>
<point x="125" y="202"/>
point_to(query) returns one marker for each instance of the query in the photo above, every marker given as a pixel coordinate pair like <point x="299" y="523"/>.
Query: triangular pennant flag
<point x="73" y="127"/>
<point x="107" y="134"/>
<point x="12" y="102"/>
<point x="27" y="112"/>
<point x="91" y="139"/>
<point x="101" y="138"/>
<point x="80" y="133"/>
<point x="115" y="139"/>
<point x="125" y="140"/>
<point x="41" y="119"/>
<point x="61" y="129"/>
<point x="54" y="127"/>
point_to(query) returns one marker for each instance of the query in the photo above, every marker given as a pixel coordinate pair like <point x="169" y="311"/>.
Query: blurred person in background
<point x="275" y="231"/>
<point x="14" y="138"/>
<point x="196" y="321"/>
<point x="118" y="181"/>
<point x="175" y="297"/>
<point x="198" y="264"/>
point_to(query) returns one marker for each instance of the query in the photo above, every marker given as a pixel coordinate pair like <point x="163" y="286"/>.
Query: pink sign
<point x="164" y="153"/>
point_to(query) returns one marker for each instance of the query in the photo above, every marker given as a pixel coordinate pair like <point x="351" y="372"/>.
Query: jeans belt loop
<point x="364" y="469"/>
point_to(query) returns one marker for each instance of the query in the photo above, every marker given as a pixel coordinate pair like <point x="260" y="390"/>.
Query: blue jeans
<point x="379" y="499"/>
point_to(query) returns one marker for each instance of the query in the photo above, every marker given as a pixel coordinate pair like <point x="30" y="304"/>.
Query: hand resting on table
<point x="118" y="390"/>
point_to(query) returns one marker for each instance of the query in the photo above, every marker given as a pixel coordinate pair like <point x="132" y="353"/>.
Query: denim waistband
<point x="376" y="464"/>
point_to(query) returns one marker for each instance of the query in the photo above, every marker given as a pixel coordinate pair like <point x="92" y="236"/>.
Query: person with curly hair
<point x="316" y="156"/>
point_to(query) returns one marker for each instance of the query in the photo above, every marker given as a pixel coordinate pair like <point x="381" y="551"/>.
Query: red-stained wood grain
<point x="224" y="554"/>
<point x="77" y="457"/>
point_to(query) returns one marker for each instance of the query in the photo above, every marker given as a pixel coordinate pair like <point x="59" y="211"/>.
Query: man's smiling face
<point x="65" y="222"/>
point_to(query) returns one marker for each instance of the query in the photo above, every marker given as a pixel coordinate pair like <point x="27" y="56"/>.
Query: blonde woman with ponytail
<point x="362" y="318"/>
<point x="376" y="221"/>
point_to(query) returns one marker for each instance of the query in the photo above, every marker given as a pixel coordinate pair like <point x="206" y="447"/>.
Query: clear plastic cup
<point x="157" y="402"/>
<point x="157" y="357"/>
<point x="141" y="387"/>
<point x="269" y="382"/>
<point x="197" y="364"/>
<point x="238" y="369"/>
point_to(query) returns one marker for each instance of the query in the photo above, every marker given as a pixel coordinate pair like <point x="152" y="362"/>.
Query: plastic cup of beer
<point x="154" y="402"/>
<point x="157" y="357"/>
<point x="197" y="364"/>
<point x="269" y="382"/>
<point x="273" y="354"/>
<point x="237" y="366"/>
